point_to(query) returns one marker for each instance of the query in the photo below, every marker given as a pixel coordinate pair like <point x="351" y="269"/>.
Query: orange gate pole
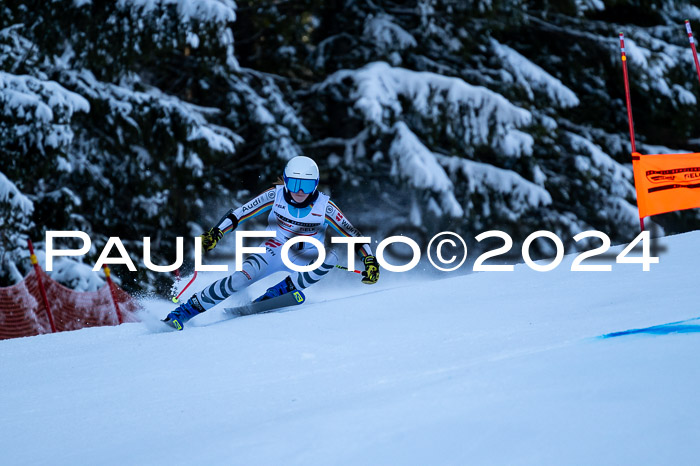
<point x="110" y="283"/>
<point x="629" y="106"/>
<point x="42" y="290"/>
<point x="692" y="46"/>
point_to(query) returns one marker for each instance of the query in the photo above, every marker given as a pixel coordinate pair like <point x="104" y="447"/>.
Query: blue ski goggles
<point x="294" y="185"/>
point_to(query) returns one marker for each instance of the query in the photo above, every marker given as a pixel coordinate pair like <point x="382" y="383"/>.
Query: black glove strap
<point x="229" y="215"/>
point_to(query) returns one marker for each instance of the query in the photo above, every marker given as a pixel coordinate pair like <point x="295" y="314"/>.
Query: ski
<point x="294" y="298"/>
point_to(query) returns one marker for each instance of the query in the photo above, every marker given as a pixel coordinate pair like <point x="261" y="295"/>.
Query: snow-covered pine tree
<point x="414" y="94"/>
<point x="135" y="112"/>
<point x="35" y="133"/>
<point x="146" y="118"/>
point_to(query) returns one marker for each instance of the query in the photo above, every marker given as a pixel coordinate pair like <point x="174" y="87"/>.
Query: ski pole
<point x="345" y="268"/>
<point x="177" y="298"/>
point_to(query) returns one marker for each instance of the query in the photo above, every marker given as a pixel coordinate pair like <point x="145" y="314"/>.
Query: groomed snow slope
<point x="486" y="369"/>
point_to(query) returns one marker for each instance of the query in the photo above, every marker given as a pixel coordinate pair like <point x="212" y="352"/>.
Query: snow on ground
<point x="493" y="368"/>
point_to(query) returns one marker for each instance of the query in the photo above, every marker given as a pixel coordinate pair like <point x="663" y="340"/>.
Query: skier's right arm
<point x="234" y="217"/>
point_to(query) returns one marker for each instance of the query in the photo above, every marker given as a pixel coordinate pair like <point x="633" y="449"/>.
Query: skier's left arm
<point x="337" y="221"/>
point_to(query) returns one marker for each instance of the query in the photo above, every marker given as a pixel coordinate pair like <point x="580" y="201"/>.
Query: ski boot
<point x="184" y="312"/>
<point x="283" y="287"/>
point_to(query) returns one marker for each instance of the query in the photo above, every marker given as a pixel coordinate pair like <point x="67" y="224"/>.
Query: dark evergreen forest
<point x="136" y="118"/>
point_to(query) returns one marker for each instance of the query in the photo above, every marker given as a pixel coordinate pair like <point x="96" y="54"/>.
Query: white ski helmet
<point x="301" y="174"/>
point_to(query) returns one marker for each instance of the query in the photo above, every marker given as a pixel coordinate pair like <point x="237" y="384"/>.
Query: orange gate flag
<point x="666" y="182"/>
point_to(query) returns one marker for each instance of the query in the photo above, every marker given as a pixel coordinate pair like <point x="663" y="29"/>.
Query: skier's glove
<point x="210" y="238"/>
<point x="371" y="273"/>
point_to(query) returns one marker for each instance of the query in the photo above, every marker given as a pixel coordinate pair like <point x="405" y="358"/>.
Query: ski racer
<point x="295" y="208"/>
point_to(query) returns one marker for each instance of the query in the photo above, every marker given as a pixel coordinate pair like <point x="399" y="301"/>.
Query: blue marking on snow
<point x="681" y="326"/>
